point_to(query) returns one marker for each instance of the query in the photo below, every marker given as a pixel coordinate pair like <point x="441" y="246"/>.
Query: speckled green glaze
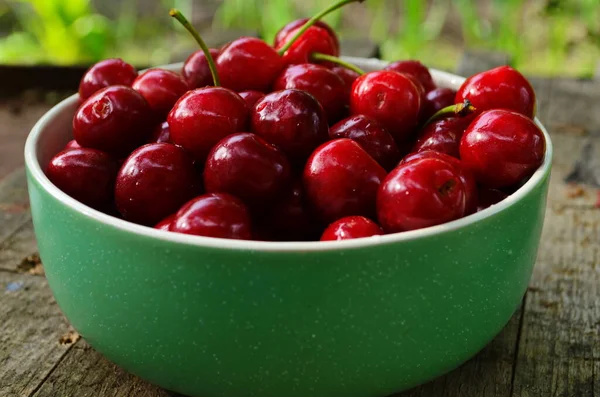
<point x="208" y="319"/>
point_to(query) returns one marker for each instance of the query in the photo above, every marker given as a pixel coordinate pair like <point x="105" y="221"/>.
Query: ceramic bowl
<point x="212" y="317"/>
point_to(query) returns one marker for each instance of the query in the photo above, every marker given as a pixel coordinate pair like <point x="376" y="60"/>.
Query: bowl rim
<point x="33" y="166"/>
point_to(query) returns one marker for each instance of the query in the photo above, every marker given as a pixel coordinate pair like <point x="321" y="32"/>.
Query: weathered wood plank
<point x="14" y="203"/>
<point x="573" y="107"/>
<point x="18" y="247"/>
<point x="478" y="61"/>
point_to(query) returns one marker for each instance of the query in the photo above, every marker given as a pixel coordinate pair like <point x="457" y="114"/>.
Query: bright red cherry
<point x="161" y="134"/>
<point x="351" y="227"/>
<point x="87" y="175"/>
<point x="348" y="75"/>
<point x="72" y="144"/>
<point x="165" y="224"/>
<point x="326" y="86"/>
<point x="435" y="100"/>
<point x="502" y="148"/>
<point x="315" y="39"/>
<point x="499" y="88"/>
<point x="341" y="179"/>
<point x="104" y="74"/>
<point x="218" y="215"/>
<point x="248" y="167"/>
<point x="155" y="180"/>
<point x="196" y="71"/>
<point x="390" y="98"/>
<point x="371" y="136"/>
<point x="292" y="120"/>
<point x="489" y="197"/>
<point x="161" y="89"/>
<point x="284" y="33"/>
<point x="442" y="135"/>
<point x="420" y="193"/>
<point x="415" y="69"/>
<point x="204" y="116"/>
<point x="251" y="97"/>
<point x="116" y="120"/>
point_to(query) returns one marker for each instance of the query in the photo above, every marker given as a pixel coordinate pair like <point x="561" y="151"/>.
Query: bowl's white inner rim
<point x="440" y="77"/>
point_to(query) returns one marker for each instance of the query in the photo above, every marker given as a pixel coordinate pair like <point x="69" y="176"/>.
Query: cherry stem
<point x="312" y="21"/>
<point x="175" y="13"/>
<point x="459" y="109"/>
<point x="317" y="56"/>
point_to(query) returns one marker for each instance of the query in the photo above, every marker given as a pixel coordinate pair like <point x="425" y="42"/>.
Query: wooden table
<point x="550" y="347"/>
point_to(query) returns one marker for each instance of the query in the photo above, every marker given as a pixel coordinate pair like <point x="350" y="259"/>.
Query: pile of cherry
<point x="289" y="143"/>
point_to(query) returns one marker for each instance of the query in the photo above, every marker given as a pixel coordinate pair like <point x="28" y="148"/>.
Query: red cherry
<point x="251" y="97"/>
<point x="435" y="100"/>
<point x="165" y="224"/>
<point x="292" y="120"/>
<point x="284" y="33"/>
<point x="348" y="75"/>
<point x="415" y="69"/>
<point x="214" y="215"/>
<point x="390" y="98"/>
<point x="489" y="197"/>
<point x="371" y="136"/>
<point x="115" y="119"/>
<point x="104" y="74"/>
<point x="315" y="39"/>
<point x="161" y="134"/>
<point x="196" y="71"/>
<point x="442" y="135"/>
<point x="341" y="179"/>
<point x="351" y="227"/>
<point x="499" y="88"/>
<point x="155" y="180"/>
<point x="248" y="63"/>
<point x="204" y="116"/>
<point x="420" y="193"/>
<point x="326" y="86"/>
<point x="161" y="89"/>
<point x="87" y="175"/>
<point x="502" y="147"/>
<point x="72" y="144"/>
<point x="247" y="167"/>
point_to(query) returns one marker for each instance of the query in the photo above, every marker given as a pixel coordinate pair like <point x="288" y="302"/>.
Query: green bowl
<point x="212" y="317"/>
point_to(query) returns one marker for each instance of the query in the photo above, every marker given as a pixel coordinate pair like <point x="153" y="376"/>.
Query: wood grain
<point x="14" y="203"/>
<point x="15" y="249"/>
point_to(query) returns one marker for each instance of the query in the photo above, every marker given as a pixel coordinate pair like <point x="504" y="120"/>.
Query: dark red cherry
<point x="390" y="98"/>
<point x="204" y="116"/>
<point x="371" y="136"/>
<point x="218" y="215"/>
<point x="161" y="89"/>
<point x="284" y="33"/>
<point x="323" y="84"/>
<point x="292" y="120"/>
<point x="489" y="197"/>
<point x="165" y="224"/>
<point x="499" y="88"/>
<point x="72" y="144"/>
<point x="415" y="69"/>
<point x="351" y="227"/>
<point x="248" y="63"/>
<point x="442" y="135"/>
<point x="251" y="97"/>
<point x="155" y="180"/>
<point x="195" y="69"/>
<point x="502" y="147"/>
<point x="420" y="193"/>
<point x="161" y="134"/>
<point x="116" y="120"/>
<point x="315" y="39"/>
<point x="87" y="175"/>
<point x="435" y="100"/>
<point x="341" y="179"/>
<point x="348" y="75"/>
<point x="104" y="74"/>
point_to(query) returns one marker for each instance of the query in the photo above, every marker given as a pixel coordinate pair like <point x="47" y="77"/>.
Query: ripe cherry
<point x="104" y="74"/>
<point x="116" y="120"/>
<point x="351" y="227"/>
<point x="420" y="193"/>
<point x="489" y="197"/>
<point x="315" y="39"/>
<point x="196" y="71"/>
<point x="218" y="215"/>
<point x="442" y="135"/>
<point x="155" y="180"/>
<point x="348" y="75"/>
<point x="415" y="69"/>
<point x="499" y="88"/>
<point x="341" y="179"/>
<point x="371" y="136"/>
<point x="284" y="33"/>
<point x="436" y="100"/>
<point x="251" y="97"/>
<point x="165" y="224"/>
<point x="161" y="89"/>
<point x="87" y="175"/>
<point x="502" y="147"/>
<point x="72" y="144"/>
<point x="161" y="133"/>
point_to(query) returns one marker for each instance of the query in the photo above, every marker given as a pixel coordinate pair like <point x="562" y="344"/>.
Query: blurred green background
<point x="543" y="37"/>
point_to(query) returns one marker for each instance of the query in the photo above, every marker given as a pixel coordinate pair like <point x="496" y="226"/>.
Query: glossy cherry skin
<point x="489" y="197"/>
<point x="72" y="144"/>
<point x="248" y="63"/>
<point x="104" y="74"/>
<point x="248" y="167"/>
<point x="390" y="98"/>
<point x="415" y="69"/>
<point x="165" y="224"/>
<point x="284" y="33"/>
<point x="349" y="76"/>
<point x="251" y="97"/>
<point x="341" y="179"/>
<point x="499" y="88"/>
<point x="204" y="116"/>
<point x="195" y="69"/>
<point x="116" y="120"/>
<point x="420" y="193"/>
<point x="325" y="85"/>
<point x="502" y="148"/>
<point x="161" y="89"/>
<point x="371" y="136"/>
<point x="292" y="120"/>
<point x="218" y="215"/>
<point x="435" y="100"/>
<point x="315" y="39"/>
<point x="442" y="135"/>
<point x="155" y="180"/>
<point x="161" y="134"/>
<point x="87" y="175"/>
<point x="351" y="227"/>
